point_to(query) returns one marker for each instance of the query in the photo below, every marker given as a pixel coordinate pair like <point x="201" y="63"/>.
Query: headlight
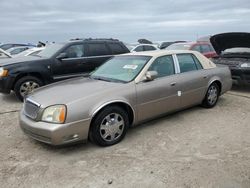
<point x="54" y="114"/>
<point x="3" y="72"/>
<point x="245" y="65"/>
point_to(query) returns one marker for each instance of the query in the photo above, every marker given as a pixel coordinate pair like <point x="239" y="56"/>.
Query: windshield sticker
<point x="130" y="67"/>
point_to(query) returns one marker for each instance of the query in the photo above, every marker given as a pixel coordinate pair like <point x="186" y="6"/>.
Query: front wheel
<point x="26" y="85"/>
<point x="110" y="126"/>
<point x="212" y="96"/>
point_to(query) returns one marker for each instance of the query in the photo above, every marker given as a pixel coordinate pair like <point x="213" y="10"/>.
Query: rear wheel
<point x="26" y="85"/>
<point x="212" y="96"/>
<point x="110" y="126"/>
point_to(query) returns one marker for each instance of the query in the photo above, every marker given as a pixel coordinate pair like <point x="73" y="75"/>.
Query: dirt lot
<point x="193" y="148"/>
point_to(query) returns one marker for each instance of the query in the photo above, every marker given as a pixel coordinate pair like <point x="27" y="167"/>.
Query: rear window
<point x="97" y="49"/>
<point x="149" y="48"/>
<point x="206" y="48"/>
<point x="116" y="48"/>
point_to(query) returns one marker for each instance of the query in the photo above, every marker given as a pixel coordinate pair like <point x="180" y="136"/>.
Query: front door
<point x="160" y="95"/>
<point x="74" y="64"/>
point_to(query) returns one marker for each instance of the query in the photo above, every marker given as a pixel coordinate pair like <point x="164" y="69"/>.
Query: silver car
<point x="125" y="91"/>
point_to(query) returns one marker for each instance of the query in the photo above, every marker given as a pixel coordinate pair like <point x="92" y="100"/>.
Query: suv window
<point x="149" y="48"/>
<point x="97" y="49"/>
<point x="164" y="66"/>
<point x="205" y="48"/>
<point x="75" y="51"/>
<point x="197" y="48"/>
<point x="138" y="49"/>
<point x="116" y="48"/>
<point x="188" y="63"/>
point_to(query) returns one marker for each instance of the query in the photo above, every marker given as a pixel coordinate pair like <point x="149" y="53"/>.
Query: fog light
<point x="71" y="138"/>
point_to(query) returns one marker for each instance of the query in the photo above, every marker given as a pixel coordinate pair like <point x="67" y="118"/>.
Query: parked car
<point x="142" y="47"/>
<point x="203" y="47"/>
<point x="234" y="51"/>
<point x="11" y="45"/>
<point x="30" y="52"/>
<point x="4" y="54"/>
<point x="56" y="62"/>
<point x="163" y="45"/>
<point x="16" y="50"/>
<point x="126" y="91"/>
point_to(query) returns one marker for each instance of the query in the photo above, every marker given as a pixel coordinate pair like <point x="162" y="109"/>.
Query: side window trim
<point x="196" y="60"/>
<point x="176" y="64"/>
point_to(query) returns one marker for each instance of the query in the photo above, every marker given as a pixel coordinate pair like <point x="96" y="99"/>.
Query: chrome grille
<point x="31" y="109"/>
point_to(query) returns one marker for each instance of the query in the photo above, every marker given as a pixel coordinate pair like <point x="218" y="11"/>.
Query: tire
<point x="28" y="82"/>
<point x="212" y="96"/>
<point x="109" y="126"/>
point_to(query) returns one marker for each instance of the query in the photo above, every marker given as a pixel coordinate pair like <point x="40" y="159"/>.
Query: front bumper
<point x="241" y="75"/>
<point x="6" y="84"/>
<point x="55" y="134"/>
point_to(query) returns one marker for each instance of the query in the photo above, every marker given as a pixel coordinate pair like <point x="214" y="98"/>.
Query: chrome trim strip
<point x="110" y="102"/>
<point x="87" y="57"/>
<point x="176" y="64"/>
<point x="33" y="102"/>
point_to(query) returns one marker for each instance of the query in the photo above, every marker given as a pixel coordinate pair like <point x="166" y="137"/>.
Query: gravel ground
<point x="193" y="148"/>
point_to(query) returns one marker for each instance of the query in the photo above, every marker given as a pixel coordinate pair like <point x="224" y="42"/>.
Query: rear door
<point x="193" y="79"/>
<point x="97" y="54"/>
<point x="159" y="96"/>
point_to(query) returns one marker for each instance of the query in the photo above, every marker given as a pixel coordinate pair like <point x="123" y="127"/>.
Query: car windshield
<point x="50" y="50"/>
<point x="121" y="68"/>
<point x="178" y="47"/>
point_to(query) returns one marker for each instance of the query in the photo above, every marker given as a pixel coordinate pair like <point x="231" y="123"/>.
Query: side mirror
<point x="151" y="75"/>
<point x="61" y="56"/>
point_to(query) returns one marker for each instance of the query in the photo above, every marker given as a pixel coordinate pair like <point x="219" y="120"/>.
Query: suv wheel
<point x="26" y="85"/>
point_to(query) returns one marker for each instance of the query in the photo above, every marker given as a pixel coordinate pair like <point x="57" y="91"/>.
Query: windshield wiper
<point x="106" y="79"/>
<point x="100" y="78"/>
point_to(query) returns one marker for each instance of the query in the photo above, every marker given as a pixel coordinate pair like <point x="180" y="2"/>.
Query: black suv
<point x="56" y="62"/>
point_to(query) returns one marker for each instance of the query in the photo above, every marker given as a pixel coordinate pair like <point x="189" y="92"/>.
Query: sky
<point x="127" y="20"/>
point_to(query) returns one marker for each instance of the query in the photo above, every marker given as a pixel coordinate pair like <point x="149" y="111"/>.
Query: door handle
<point x="204" y="77"/>
<point x="173" y="84"/>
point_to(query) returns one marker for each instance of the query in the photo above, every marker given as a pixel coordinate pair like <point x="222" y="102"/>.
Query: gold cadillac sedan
<point x="125" y="91"/>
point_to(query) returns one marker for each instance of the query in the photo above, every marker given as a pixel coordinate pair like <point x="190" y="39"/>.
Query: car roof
<point x="157" y="53"/>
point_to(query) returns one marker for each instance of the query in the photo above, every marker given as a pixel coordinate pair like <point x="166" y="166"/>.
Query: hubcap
<point x="212" y="95"/>
<point x="28" y="87"/>
<point x="112" y="127"/>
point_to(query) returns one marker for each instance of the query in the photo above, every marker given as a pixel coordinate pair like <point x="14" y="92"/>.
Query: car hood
<point x="225" y="41"/>
<point x="72" y="90"/>
<point x="11" y="61"/>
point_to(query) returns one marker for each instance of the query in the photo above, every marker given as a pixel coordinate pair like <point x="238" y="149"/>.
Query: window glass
<point x="197" y="48"/>
<point x="121" y="68"/>
<point x="35" y="53"/>
<point x="6" y="46"/>
<point x="139" y="49"/>
<point x="149" y="48"/>
<point x="186" y="62"/>
<point x="197" y="62"/>
<point x="75" y="51"/>
<point x="164" y="66"/>
<point x="97" y="49"/>
<point x="116" y="48"/>
<point x="205" y="48"/>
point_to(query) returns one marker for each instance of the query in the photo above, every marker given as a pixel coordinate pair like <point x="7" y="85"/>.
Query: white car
<point x="17" y="50"/>
<point x="30" y="52"/>
<point x="142" y="47"/>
